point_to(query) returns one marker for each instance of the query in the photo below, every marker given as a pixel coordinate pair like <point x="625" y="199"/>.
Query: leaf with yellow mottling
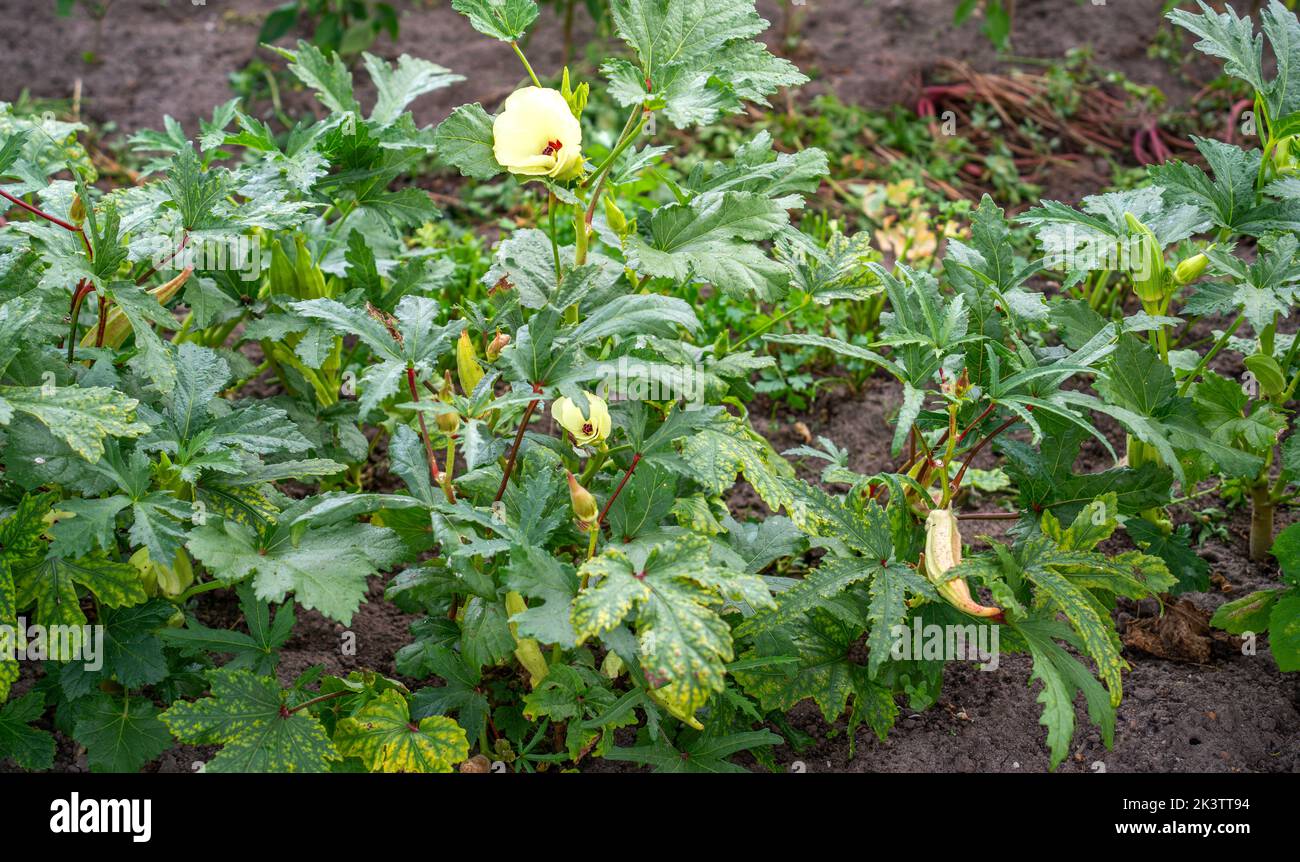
<point x="729" y="446"/>
<point x="51" y="584"/>
<point x="384" y="737"/>
<point x="247" y="716"/>
<point x="81" y="416"/>
<point x="20" y="544"/>
<point x="671" y="597"/>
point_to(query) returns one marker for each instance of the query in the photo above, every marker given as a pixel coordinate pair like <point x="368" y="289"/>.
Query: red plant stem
<point x="988" y="516"/>
<point x="103" y="321"/>
<point x="636" y="459"/>
<point x="52" y="219"/>
<point x="956" y="482"/>
<point x="972" y="426"/>
<point x="287" y="711"/>
<point x="83" y="290"/>
<point x="185" y="240"/>
<point x="514" y="450"/>
<point x="424" y="432"/>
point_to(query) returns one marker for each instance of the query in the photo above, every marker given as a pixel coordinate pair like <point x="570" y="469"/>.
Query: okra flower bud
<point x="614" y="215"/>
<point x="942" y="553"/>
<point x="1147" y="262"/>
<point x="537" y="135"/>
<point x="585" y="429"/>
<point x="1190" y="269"/>
<point x="585" y="508"/>
<point x="496" y="345"/>
<point x="449" y="422"/>
<point x="467" y="367"/>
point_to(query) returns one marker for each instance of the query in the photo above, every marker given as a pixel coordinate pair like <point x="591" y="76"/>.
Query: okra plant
<point x="980" y="356"/>
<point x="238" y="392"/>
<point x="560" y="450"/>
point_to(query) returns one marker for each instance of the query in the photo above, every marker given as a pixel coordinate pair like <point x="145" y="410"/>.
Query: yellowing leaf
<point x="384" y="737"/>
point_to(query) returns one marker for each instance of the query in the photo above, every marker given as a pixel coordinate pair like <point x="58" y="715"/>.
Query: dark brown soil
<point x="161" y="58"/>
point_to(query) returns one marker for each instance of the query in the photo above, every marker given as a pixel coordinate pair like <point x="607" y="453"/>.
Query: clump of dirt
<point x="1181" y="633"/>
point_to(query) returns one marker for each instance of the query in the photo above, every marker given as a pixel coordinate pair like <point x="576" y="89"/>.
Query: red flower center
<point x="552" y="147"/>
<point x="586" y="428"/>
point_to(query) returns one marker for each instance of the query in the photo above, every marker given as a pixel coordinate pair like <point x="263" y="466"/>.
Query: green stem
<point x="451" y="469"/>
<point x="624" y="138"/>
<point x="593" y="464"/>
<point x="1213" y="351"/>
<point x="1098" y="290"/>
<point x="1261" y="522"/>
<point x="731" y="348"/>
<point x="580" y="243"/>
<point x="1295" y="379"/>
<point x="1201" y="493"/>
<point x="1261" y="113"/>
<point x="195" y="590"/>
<point x="524" y="60"/>
<point x="218" y="336"/>
<point x="948" y="487"/>
<point x="635" y="124"/>
<point x="555" y="243"/>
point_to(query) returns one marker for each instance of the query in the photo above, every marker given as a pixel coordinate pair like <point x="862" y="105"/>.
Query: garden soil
<point x="1203" y="706"/>
<point x="159" y="58"/>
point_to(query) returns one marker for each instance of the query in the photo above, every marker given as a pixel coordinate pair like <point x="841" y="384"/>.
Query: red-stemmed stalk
<point x="956" y="482"/>
<point x="943" y="438"/>
<point x="972" y="426"/>
<point x="988" y="516"/>
<point x="424" y="435"/>
<point x="519" y="438"/>
<point x="185" y="240"/>
<point x="36" y="211"/>
<point x="84" y="289"/>
<point x="102" y="325"/>
<point x="286" y="711"/>
<point x="636" y="459"/>
<point x="103" y="300"/>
